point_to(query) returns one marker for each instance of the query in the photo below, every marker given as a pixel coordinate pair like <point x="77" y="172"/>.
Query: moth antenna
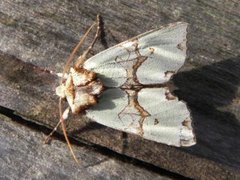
<point x="65" y="131"/>
<point x="79" y="62"/>
<point x="82" y="58"/>
<point x="71" y="56"/>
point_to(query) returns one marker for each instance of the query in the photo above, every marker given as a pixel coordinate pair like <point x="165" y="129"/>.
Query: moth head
<point x="80" y="89"/>
<point x="60" y="91"/>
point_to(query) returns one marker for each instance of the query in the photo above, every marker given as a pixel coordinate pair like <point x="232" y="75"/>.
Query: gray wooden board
<point x="22" y="157"/>
<point x="42" y="33"/>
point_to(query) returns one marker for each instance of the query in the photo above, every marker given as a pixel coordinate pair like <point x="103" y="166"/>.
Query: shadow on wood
<point x="210" y="92"/>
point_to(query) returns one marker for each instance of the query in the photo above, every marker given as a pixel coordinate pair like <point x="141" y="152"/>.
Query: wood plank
<point x="24" y="156"/>
<point x="44" y="33"/>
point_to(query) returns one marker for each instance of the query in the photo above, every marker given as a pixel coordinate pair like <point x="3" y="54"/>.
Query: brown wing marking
<point x="131" y="65"/>
<point x="134" y="111"/>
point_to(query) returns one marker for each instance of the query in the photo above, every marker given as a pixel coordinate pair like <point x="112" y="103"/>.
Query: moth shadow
<point x="90" y="126"/>
<point x="107" y="82"/>
<point x="109" y="95"/>
<point x="212" y="95"/>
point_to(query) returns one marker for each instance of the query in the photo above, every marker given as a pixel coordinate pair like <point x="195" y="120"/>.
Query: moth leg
<point x="64" y="117"/>
<point x="53" y="131"/>
<point x="83" y="57"/>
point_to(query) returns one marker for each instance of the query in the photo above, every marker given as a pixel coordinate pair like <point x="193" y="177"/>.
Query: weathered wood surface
<point x="22" y="157"/>
<point x="41" y="35"/>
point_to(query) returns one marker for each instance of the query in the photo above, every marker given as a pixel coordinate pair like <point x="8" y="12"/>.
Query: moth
<point x="126" y="87"/>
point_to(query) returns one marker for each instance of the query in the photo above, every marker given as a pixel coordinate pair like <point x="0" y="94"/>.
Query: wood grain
<point x="37" y="36"/>
<point x="27" y="160"/>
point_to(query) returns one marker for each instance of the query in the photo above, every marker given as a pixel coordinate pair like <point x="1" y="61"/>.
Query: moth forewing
<point x="161" y="46"/>
<point x="166" y="56"/>
<point x="165" y="124"/>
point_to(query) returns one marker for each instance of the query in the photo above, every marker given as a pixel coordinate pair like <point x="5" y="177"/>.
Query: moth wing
<point x="106" y="111"/>
<point x="164" y="49"/>
<point x="168" y="121"/>
<point x="151" y="58"/>
<point x="168" y="56"/>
